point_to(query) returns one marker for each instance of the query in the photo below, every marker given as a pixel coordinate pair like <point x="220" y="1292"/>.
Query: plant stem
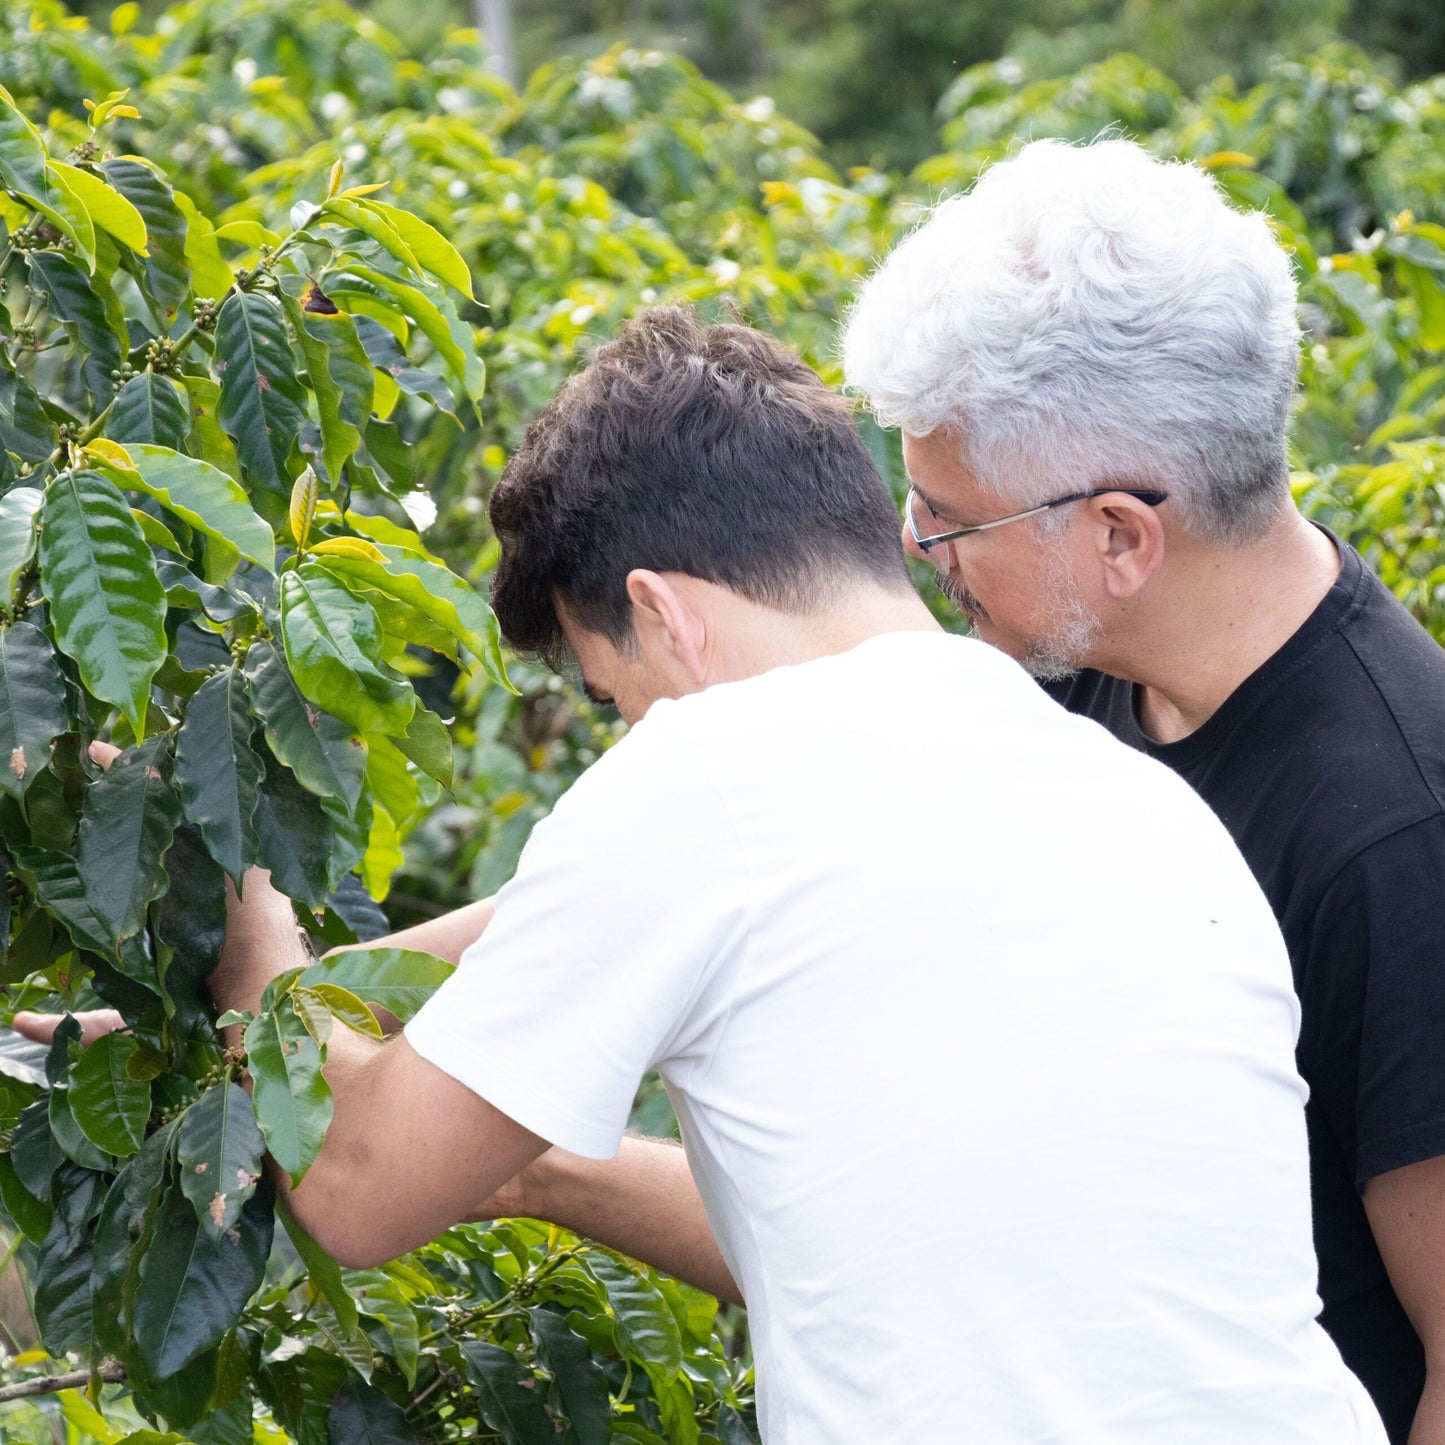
<point x="112" y="1372"/>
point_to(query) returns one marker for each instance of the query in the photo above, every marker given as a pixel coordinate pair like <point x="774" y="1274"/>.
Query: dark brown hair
<point x="706" y="450"/>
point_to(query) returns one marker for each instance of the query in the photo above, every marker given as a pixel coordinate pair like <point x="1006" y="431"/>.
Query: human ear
<point x="1128" y="540"/>
<point x="666" y="615"/>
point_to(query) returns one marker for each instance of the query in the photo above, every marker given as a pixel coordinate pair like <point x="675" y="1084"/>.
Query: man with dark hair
<point x="1092" y="356"/>
<point x="888" y="921"/>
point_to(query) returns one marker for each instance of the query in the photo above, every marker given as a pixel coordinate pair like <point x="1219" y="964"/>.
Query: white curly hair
<point x="1091" y="315"/>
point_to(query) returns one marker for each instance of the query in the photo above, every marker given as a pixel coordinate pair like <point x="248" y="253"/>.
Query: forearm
<point x="1429" y="1426"/>
<point x="448" y="936"/>
<point x="644" y="1203"/>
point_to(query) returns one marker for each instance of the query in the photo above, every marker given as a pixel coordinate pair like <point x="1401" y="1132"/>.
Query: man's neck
<point x="1221" y="613"/>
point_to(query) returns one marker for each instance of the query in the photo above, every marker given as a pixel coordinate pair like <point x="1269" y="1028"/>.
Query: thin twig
<point x="112" y="1372"/>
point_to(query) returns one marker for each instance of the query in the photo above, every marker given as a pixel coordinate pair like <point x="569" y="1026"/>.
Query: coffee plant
<point x="207" y="560"/>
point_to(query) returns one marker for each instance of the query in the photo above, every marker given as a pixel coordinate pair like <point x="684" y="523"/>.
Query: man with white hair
<point x="1094" y="346"/>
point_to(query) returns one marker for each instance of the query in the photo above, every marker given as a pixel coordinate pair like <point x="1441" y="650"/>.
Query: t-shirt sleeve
<point x="1376" y="987"/>
<point x="624" y="904"/>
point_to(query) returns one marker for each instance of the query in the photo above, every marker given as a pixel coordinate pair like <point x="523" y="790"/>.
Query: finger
<point x="104" y="753"/>
<point x="94" y="1023"/>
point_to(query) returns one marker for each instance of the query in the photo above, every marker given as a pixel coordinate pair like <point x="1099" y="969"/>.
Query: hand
<point x="94" y="1024"/>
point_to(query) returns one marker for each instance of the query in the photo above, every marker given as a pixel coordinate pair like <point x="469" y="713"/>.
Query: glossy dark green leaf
<point x="578" y="1382"/>
<point x="293" y="1100"/>
<point x="182" y="1399"/>
<point x="299" y="1389"/>
<point x="18" y="508"/>
<point x="647" y="1333"/>
<point x="193" y="1288"/>
<point x="328" y="758"/>
<point x="25" y="429"/>
<point x="32" y="705"/>
<point x="58" y="886"/>
<point x="110" y="1104"/>
<point x="30" y="1213"/>
<point x="74" y="1143"/>
<point x="263" y="406"/>
<point x="120" y="1235"/>
<point x="219" y="1149"/>
<point x="507" y="1392"/>
<point x="62" y="1269"/>
<point x="732" y="1429"/>
<point x="229" y="1424"/>
<point x="90" y="312"/>
<point x="325" y="1273"/>
<point x="333" y="645"/>
<point x="341" y="380"/>
<point x="429" y="745"/>
<point x="32" y="1149"/>
<point x="362" y="1415"/>
<point x="107" y="603"/>
<point x="386" y="354"/>
<point x="149" y="408"/>
<point x="294" y="837"/>
<point x="168" y="274"/>
<point x="398" y="980"/>
<point x="130" y="816"/>
<point x="191" y="922"/>
<point x="218" y="772"/>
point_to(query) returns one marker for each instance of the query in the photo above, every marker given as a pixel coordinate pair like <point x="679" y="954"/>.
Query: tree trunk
<point x="494" y="20"/>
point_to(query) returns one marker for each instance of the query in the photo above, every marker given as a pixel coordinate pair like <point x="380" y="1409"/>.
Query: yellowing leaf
<point x="349" y="547"/>
<point x="1220" y="159"/>
<point x="303" y="506"/>
<point x="106" y="206"/>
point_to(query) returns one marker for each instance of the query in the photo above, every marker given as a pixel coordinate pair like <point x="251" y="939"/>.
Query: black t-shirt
<point x="1327" y="765"/>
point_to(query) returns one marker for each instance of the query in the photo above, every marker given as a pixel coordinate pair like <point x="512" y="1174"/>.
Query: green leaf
<point x="324" y="1271"/>
<point x="577" y="1378"/>
<point x="110" y="1105"/>
<point x="32" y="705"/>
<point x="25" y="429"/>
<point x="647" y="1333"/>
<point x="218" y="772"/>
<point x="334" y="648"/>
<point x="192" y="1288"/>
<point x="22" y="151"/>
<point x="1429" y="295"/>
<point x="341" y="379"/>
<point x="344" y="1005"/>
<point x="62" y="1270"/>
<point x="57" y="885"/>
<point x="30" y="1213"/>
<point x="191" y="923"/>
<point x="210" y="276"/>
<point x="328" y="758"/>
<point x="85" y="1419"/>
<point x="208" y="440"/>
<point x="353" y="213"/>
<point x="219" y="1149"/>
<point x="427" y="245"/>
<point x="294" y="837"/>
<point x="507" y="1391"/>
<point x="130" y="815"/>
<point x="429" y="745"/>
<point x="107" y="602"/>
<point x="149" y="408"/>
<point x="293" y="1100"/>
<point x="392" y="782"/>
<point x="91" y="313"/>
<point x="105" y="205"/>
<point x="362" y="1415"/>
<point x="449" y="600"/>
<point x="168" y="275"/>
<point x="121" y="1235"/>
<point x="262" y="404"/>
<point x="398" y="980"/>
<point x="437" y="318"/>
<point x="64" y="209"/>
<point x="209" y="502"/>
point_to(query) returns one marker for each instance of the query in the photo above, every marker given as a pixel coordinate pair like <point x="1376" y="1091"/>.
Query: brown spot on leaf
<point x="202" y="1167"/>
<point x="396" y="368"/>
<point x="154" y="773"/>
<point x="220" y="366"/>
<point x="261" y="383"/>
<point x="313" y="716"/>
<point x="218" y="1213"/>
<point x="245" y="1180"/>
<point x="17" y="763"/>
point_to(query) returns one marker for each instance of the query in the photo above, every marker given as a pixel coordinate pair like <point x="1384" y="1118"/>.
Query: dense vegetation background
<point x="517" y="228"/>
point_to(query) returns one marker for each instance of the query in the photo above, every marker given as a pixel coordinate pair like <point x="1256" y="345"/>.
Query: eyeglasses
<point x="1149" y="498"/>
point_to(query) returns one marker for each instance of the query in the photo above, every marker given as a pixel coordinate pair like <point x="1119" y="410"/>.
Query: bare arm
<point x="1406" y="1210"/>
<point x="448" y="936"/>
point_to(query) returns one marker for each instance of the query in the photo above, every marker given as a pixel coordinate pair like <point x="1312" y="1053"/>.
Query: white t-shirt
<point x="981" y="1038"/>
